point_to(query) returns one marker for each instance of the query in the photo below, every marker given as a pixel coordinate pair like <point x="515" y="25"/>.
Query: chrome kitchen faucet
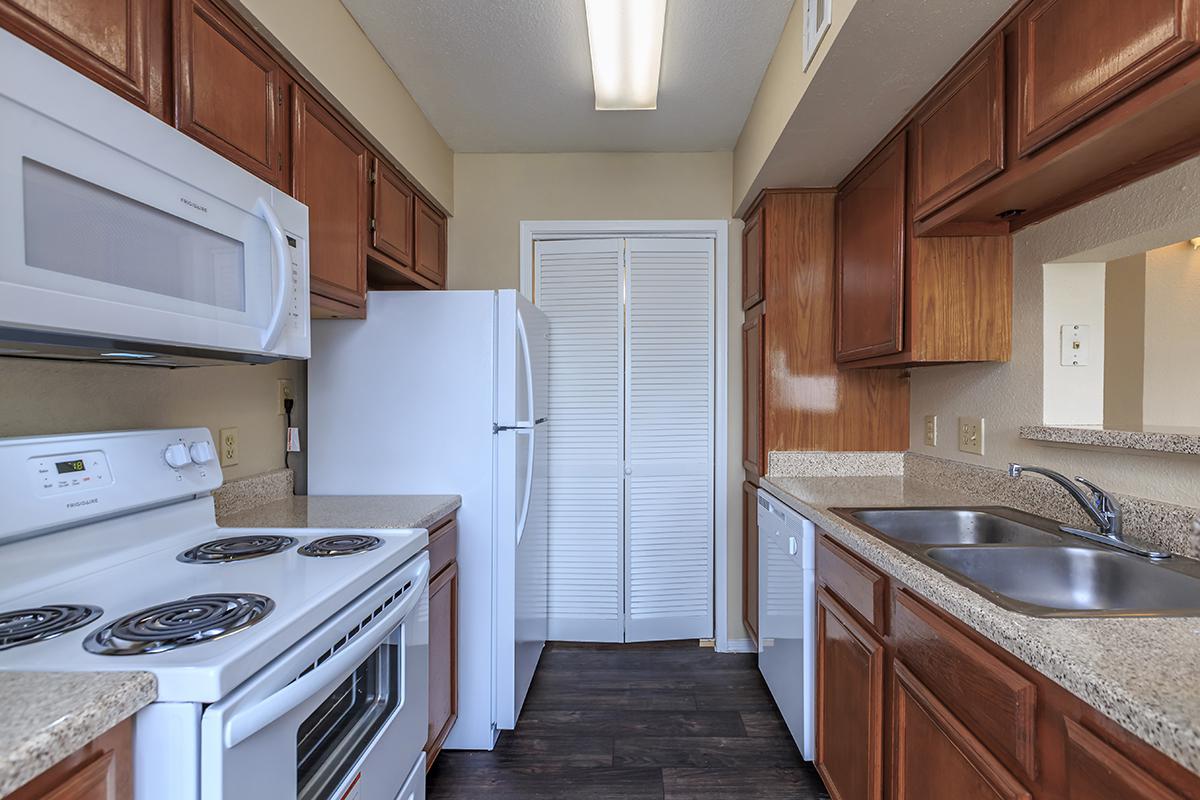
<point x="1103" y="509"/>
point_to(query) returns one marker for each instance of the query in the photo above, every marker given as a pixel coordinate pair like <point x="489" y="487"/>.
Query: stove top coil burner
<point x="29" y="625"/>
<point x="345" y="544"/>
<point x="235" y="548"/>
<point x="179" y="623"/>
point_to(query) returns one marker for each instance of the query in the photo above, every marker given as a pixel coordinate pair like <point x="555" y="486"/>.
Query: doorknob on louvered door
<point x="628" y="470"/>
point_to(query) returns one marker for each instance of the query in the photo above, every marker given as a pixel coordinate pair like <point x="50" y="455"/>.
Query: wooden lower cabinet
<point x="850" y="703"/>
<point x="934" y="756"/>
<point x="100" y="770"/>
<point x="921" y="704"/>
<point x="443" y="637"/>
<point x="750" y="559"/>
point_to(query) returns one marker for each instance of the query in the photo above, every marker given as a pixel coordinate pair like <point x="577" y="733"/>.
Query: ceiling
<point x="515" y="75"/>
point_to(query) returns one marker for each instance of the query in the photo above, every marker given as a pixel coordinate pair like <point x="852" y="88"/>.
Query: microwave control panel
<point x="296" y="291"/>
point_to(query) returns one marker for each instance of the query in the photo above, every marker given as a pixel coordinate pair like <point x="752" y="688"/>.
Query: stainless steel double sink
<point x="1024" y="563"/>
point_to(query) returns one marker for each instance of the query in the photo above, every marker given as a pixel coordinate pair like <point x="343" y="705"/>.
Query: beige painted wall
<point x="784" y="83"/>
<point x="1159" y="210"/>
<point x="1172" y="380"/>
<point x="1073" y="294"/>
<point x="1124" y="341"/>
<point x="495" y="192"/>
<point x="46" y="397"/>
<point x="326" y="39"/>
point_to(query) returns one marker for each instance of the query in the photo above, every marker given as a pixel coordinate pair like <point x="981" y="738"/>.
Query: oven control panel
<point x="49" y="482"/>
<point x="71" y="472"/>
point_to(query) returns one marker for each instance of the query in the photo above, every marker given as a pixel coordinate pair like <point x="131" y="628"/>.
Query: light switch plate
<point x="931" y="430"/>
<point x="970" y="435"/>
<point x="228" y="446"/>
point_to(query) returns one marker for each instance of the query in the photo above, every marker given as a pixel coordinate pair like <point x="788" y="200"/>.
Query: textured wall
<point x="1157" y="211"/>
<point x="1172" y="363"/>
<point x="47" y="397"/>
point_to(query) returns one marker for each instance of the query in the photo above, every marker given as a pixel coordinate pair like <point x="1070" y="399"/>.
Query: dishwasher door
<point x="787" y="617"/>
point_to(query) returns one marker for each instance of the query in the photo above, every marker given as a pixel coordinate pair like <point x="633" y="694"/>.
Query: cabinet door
<point x="391" y="215"/>
<point x="750" y="559"/>
<point x="753" y="458"/>
<point x="429" y="242"/>
<point x="443" y="659"/>
<point x="1076" y="57"/>
<point x="753" y="256"/>
<point x="958" y="137"/>
<point x="1098" y="771"/>
<point x="120" y="44"/>
<point x="329" y="174"/>
<point x="100" y="770"/>
<point x="934" y="756"/>
<point x="229" y="91"/>
<point x="870" y="258"/>
<point x="849" y="704"/>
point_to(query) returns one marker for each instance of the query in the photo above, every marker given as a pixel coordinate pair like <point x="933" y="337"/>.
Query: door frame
<point x="718" y="231"/>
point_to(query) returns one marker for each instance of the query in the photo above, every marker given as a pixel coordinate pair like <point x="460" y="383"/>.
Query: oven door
<point x="115" y="226"/>
<point x="342" y="715"/>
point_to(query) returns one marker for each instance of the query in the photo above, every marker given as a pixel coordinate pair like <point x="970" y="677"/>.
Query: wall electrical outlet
<point x="970" y="435"/>
<point x="285" y="392"/>
<point x="229" y="446"/>
<point x="931" y="430"/>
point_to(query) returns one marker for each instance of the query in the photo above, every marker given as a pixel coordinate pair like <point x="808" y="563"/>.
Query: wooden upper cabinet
<point x="753" y="456"/>
<point x="870" y="257"/>
<point x="429" y="242"/>
<point x="121" y="44"/>
<point x="1079" y="56"/>
<point x="391" y="215"/>
<point x="750" y="576"/>
<point x="1098" y="771"/>
<point x="849" y="714"/>
<point x="753" y="257"/>
<point x="329" y="174"/>
<point x="229" y="91"/>
<point x="935" y="757"/>
<point x="958" y="135"/>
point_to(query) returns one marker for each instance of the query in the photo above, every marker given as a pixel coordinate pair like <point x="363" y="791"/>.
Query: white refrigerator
<point x="445" y="393"/>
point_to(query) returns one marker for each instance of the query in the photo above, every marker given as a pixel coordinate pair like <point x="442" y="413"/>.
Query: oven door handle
<point x="244" y="724"/>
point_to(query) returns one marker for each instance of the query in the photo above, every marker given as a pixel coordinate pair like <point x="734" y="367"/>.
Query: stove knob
<point x="177" y="456"/>
<point x="202" y="452"/>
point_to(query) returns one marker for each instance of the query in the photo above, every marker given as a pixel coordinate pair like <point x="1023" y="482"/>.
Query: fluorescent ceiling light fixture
<point x="626" y="39"/>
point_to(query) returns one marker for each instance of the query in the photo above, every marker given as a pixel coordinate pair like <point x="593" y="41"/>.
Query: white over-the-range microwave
<point x="123" y="240"/>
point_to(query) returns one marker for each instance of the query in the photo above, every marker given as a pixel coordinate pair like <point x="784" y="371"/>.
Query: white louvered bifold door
<point x="579" y="286"/>
<point x="669" y="439"/>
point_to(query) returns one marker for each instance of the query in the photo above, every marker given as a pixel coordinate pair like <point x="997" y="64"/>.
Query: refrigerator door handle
<point x="524" y="515"/>
<point x="523" y="337"/>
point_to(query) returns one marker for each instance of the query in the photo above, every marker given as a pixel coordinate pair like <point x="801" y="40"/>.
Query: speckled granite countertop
<point x="49" y="715"/>
<point x="1143" y="673"/>
<point x="359" y="511"/>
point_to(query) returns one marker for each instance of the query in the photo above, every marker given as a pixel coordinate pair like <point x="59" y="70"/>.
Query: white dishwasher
<point x="787" y="616"/>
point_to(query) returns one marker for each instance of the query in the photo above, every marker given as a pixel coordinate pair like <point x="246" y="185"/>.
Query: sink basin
<point x="947" y="526"/>
<point x="1065" y="580"/>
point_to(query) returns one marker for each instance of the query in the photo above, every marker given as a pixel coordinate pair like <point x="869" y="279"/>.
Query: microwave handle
<point x="244" y="724"/>
<point x="283" y="264"/>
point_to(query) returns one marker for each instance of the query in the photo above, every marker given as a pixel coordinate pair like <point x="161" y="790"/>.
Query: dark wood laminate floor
<point x="653" y="722"/>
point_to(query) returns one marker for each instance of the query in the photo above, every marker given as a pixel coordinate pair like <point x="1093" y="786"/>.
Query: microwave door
<point x="115" y="227"/>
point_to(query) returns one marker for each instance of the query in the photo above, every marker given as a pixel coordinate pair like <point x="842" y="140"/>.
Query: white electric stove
<point x="290" y="663"/>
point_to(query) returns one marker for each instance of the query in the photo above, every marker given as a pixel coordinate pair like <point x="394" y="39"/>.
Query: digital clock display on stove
<point x="65" y="467"/>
